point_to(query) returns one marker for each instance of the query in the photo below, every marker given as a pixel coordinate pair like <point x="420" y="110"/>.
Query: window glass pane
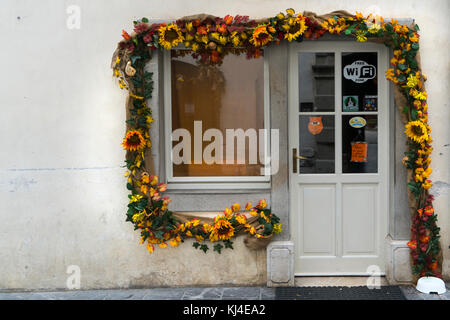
<point x="316" y="144"/>
<point x="316" y="81"/>
<point x="226" y="96"/>
<point x="359" y="144"/>
<point x="359" y="82"/>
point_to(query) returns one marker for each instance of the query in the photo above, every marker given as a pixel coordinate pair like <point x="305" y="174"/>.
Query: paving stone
<point x="203" y="294"/>
<point x="241" y="293"/>
<point x="164" y="294"/>
<point x="267" y="294"/>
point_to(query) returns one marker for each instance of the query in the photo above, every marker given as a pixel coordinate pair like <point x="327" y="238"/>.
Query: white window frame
<point x="210" y="182"/>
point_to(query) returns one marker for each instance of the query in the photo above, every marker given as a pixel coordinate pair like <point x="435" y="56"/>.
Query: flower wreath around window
<point x="208" y="40"/>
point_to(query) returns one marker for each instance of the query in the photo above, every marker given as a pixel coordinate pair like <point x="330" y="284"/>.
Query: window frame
<point x="210" y="182"/>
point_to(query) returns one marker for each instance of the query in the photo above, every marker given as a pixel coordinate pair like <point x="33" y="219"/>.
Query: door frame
<point x="384" y="157"/>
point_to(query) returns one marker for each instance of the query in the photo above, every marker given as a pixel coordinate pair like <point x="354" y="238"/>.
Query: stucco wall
<point x="62" y="194"/>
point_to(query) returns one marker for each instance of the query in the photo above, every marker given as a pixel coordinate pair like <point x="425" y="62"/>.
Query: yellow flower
<point x="361" y="36"/>
<point x="221" y="230"/>
<point x="154" y="180"/>
<point x="416" y="131"/>
<point x="235" y="207"/>
<point x="248" y="206"/>
<point x="412" y="81"/>
<point x="235" y="40"/>
<point x="262" y="204"/>
<point x="174" y="243"/>
<point x="296" y="28"/>
<point x="249" y="228"/>
<point x="135" y="198"/>
<point x="421" y="95"/>
<point x="253" y="212"/>
<point x="150" y="247"/>
<point x="427" y="184"/>
<point x="170" y="36"/>
<point x="374" y="28"/>
<point x="241" y="219"/>
<point x="290" y="11"/>
<point x="199" y="238"/>
<point x="277" y="228"/>
<point x="261" y="36"/>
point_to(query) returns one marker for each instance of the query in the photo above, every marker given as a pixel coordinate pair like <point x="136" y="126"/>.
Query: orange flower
<point x="412" y="244"/>
<point x="261" y="36"/>
<point x="202" y="30"/>
<point x="125" y="35"/>
<point x="133" y="141"/>
<point x="429" y="210"/>
<point x="221" y="230"/>
<point x="424" y="239"/>
<point x="222" y="28"/>
<point x="236" y="207"/>
<point x="228" y="19"/>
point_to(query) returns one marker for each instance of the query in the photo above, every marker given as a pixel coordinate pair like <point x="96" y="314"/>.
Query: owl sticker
<point x="315" y="125"/>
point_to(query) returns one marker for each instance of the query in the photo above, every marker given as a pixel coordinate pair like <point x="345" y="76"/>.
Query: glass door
<point x="338" y="131"/>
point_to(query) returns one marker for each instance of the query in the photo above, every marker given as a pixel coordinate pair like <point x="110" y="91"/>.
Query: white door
<point x="338" y="138"/>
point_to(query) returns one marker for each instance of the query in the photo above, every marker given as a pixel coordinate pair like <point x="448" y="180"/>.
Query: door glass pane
<point x="359" y="82"/>
<point x="359" y="144"/>
<point x="316" y="144"/>
<point x="316" y="82"/>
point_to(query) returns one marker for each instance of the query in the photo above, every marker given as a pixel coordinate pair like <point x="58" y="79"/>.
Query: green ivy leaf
<point x="204" y="248"/>
<point x="228" y="244"/>
<point x="218" y="247"/>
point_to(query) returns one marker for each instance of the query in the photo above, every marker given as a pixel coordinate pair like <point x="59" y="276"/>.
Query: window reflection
<point x="316" y="81"/>
<point x="317" y="144"/>
<point x="359" y="144"/>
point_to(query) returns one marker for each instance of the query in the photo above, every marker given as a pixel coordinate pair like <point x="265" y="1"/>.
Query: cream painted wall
<point x="62" y="194"/>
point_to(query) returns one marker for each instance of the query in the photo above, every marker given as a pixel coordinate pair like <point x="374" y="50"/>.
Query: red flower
<point x="202" y="30"/>
<point x="148" y="37"/>
<point x="141" y="27"/>
<point x="215" y="56"/>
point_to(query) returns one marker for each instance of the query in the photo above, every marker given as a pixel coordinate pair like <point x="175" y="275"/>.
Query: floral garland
<point x="211" y="38"/>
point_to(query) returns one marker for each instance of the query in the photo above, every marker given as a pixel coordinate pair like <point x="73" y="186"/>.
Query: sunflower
<point x="416" y="131"/>
<point x="261" y="35"/>
<point x="221" y="230"/>
<point x="170" y="36"/>
<point x="294" y="27"/>
<point x="133" y="141"/>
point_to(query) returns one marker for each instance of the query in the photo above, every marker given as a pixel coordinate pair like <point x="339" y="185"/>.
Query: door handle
<point x="295" y="157"/>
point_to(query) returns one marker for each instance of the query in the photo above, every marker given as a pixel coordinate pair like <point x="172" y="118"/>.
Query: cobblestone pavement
<point x="216" y="293"/>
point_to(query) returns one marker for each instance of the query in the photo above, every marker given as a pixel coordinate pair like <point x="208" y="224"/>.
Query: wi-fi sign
<point x="359" y="71"/>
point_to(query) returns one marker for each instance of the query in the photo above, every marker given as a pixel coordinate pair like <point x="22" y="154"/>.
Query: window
<point x="214" y="120"/>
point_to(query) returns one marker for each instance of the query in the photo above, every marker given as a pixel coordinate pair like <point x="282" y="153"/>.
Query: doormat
<point x="339" y="293"/>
